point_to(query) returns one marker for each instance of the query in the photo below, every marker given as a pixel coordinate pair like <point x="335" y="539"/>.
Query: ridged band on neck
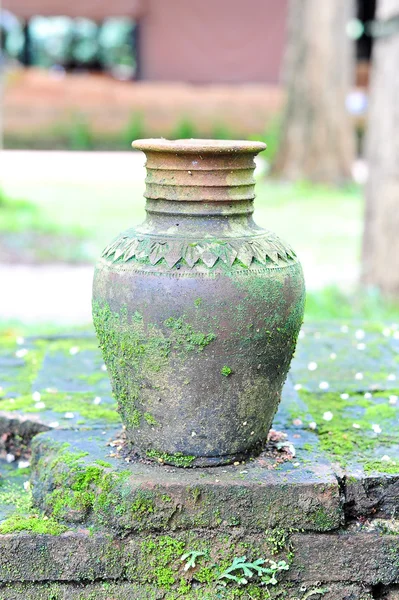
<point x="199" y="170"/>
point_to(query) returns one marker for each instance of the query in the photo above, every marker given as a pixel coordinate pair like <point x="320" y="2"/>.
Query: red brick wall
<point x="35" y="101"/>
<point x="224" y="41"/>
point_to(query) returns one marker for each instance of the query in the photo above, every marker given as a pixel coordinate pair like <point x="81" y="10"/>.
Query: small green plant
<point x="79" y="135"/>
<point x="191" y="557"/>
<point x="134" y="129"/>
<point x="269" y="578"/>
<point x="245" y="570"/>
<point x="185" y="129"/>
<point x="226" y="371"/>
<point x="271" y="137"/>
<point x="222" y="132"/>
<point x="150" y="419"/>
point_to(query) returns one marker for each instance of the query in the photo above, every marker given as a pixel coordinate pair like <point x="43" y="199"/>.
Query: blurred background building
<point x="150" y="67"/>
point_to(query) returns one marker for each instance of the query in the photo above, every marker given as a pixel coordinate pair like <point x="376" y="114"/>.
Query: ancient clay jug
<point x="198" y="309"/>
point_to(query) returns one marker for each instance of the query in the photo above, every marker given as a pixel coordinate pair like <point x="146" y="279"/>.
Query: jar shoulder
<point x="260" y="246"/>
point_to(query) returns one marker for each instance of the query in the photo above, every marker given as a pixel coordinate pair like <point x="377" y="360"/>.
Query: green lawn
<point x="323" y="225"/>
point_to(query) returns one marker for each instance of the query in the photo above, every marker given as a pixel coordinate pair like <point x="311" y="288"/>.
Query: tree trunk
<point x="317" y="133"/>
<point x="381" y="232"/>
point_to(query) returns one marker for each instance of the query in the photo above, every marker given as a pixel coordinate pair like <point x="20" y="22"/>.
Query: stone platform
<point x="323" y="497"/>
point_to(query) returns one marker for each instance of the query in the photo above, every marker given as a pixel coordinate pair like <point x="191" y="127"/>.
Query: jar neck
<point x="167" y="221"/>
<point x="199" y="185"/>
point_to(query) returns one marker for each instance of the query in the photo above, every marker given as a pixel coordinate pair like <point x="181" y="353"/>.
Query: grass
<point x="323" y="225"/>
<point x="333" y="303"/>
<point x="28" y="234"/>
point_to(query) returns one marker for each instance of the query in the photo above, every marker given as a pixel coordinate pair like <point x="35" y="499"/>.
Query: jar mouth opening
<point x="196" y="146"/>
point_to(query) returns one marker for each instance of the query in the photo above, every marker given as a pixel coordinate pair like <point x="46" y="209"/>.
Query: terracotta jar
<point x="198" y="309"/>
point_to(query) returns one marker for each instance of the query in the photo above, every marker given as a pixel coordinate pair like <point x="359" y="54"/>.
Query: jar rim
<point x="195" y="146"/>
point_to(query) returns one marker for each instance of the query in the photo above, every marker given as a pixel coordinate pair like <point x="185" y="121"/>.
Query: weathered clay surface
<point x="198" y="310"/>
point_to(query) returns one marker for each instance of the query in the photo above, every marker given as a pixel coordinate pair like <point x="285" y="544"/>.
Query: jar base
<point x="184" y="461"/>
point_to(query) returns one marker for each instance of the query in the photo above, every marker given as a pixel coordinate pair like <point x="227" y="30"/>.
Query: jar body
<point x="198" y="350"/>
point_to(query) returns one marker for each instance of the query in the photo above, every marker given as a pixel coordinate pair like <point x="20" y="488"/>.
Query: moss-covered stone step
<point x="340" y="402"/>
<point x="313" y="560"/>
<point x="76" y="478"/>
<point x="129" y="591"/>
<point x="357" y="556"/>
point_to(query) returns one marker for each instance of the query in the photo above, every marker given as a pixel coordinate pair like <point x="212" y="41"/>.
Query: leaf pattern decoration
<point x="266" y="249"/>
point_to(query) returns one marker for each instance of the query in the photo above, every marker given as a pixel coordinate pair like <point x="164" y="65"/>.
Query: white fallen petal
<point x="23" y="464"/>
<point x="328" y="415"/>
